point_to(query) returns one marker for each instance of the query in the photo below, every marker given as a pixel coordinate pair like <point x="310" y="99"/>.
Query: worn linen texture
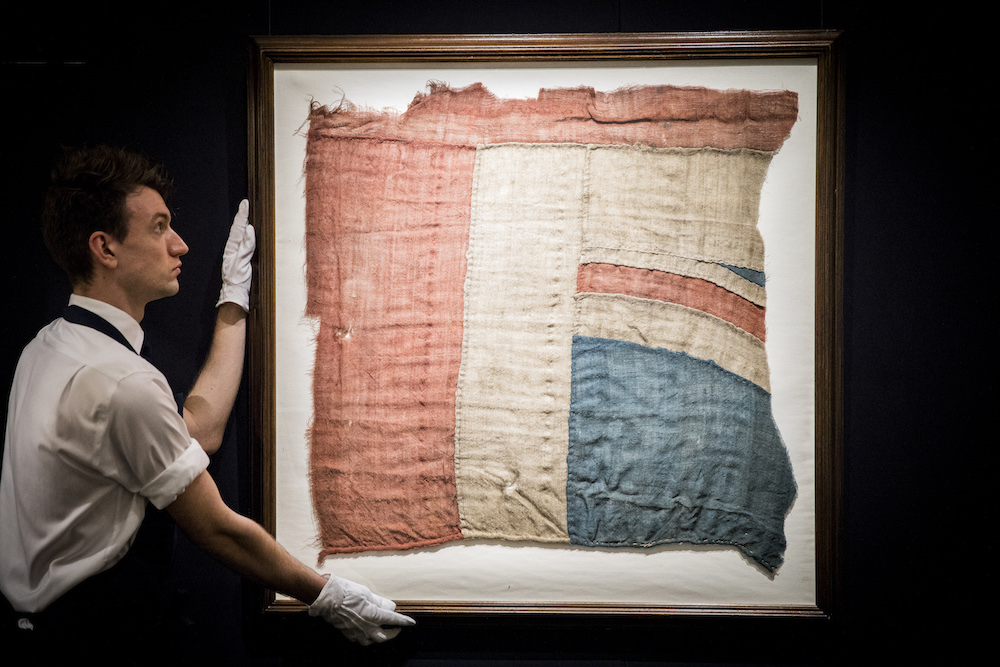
<point x="670" y="287"/>
<point x="674" y="327"/>
<point x="386" y="243"/>
<point x="699" y="204"/>
<point x="660" y="453"/>
<point x="543" y="320"/>
<point x="513" y="393"/>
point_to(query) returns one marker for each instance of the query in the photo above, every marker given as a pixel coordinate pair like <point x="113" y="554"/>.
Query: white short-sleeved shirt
<point x="93" y="432"/>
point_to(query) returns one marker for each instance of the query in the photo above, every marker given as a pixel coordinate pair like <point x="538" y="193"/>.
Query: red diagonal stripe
<point x="670" y="287"/>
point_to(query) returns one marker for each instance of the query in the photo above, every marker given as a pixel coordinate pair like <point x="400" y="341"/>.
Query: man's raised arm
<point x="208" y="405"/>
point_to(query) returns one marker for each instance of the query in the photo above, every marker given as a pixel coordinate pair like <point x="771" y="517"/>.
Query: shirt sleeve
<point x="153" y="453"/>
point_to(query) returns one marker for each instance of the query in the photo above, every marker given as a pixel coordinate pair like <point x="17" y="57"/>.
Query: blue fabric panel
<point x="752" y="275"/>
<point x="664" y="448"/>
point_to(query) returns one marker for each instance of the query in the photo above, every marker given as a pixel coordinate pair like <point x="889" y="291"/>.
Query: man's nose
<point x="178" y="246"/>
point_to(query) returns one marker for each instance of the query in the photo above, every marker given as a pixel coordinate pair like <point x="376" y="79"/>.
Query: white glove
<point x="357" y="612"/>
<point x="236" y="270"/>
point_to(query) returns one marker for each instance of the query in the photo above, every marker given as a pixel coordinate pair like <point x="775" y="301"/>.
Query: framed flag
<point x="551" y="323"/>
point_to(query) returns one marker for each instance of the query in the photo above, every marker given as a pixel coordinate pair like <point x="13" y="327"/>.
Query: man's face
<point x="149" y="256"/>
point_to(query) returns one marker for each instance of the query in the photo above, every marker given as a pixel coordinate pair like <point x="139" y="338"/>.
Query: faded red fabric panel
<point x="387" y="227"/>
<point x="663" y="286"/>
<point x="657" y="116"/>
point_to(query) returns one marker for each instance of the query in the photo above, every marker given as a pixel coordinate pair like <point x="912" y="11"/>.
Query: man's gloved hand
<point x="236" y="270"/>
<point x="357" y="612"/>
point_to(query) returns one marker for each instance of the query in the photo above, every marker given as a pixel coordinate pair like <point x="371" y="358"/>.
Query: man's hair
<point x="88" y="192"/>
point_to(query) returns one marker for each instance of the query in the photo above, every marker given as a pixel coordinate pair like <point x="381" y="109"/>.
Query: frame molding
<point x="822" y="45"/>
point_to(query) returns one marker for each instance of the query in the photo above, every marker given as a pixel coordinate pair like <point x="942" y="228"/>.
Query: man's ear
<point x="103" y="247"/>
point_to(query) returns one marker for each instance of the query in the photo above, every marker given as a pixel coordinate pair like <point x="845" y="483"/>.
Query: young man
<point x="96" y="445"/>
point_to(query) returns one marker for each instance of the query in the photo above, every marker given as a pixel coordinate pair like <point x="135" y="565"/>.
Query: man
<point x="96" y="445"/>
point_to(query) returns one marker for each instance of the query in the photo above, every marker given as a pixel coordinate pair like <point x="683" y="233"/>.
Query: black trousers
<point x="130" y="614"/>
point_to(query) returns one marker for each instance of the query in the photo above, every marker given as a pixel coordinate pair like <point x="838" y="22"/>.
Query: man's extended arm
<point x="238" y="542"/>
<point x="247" y="548"/>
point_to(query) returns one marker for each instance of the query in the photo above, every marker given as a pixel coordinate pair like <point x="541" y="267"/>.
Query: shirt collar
<point x="118" y="318"/>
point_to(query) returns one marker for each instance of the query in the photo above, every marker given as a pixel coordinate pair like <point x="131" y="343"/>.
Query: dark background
<point x="918" y="543"/>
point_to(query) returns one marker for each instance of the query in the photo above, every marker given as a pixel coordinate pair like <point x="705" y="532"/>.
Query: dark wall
<point x="171" y="81"/>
